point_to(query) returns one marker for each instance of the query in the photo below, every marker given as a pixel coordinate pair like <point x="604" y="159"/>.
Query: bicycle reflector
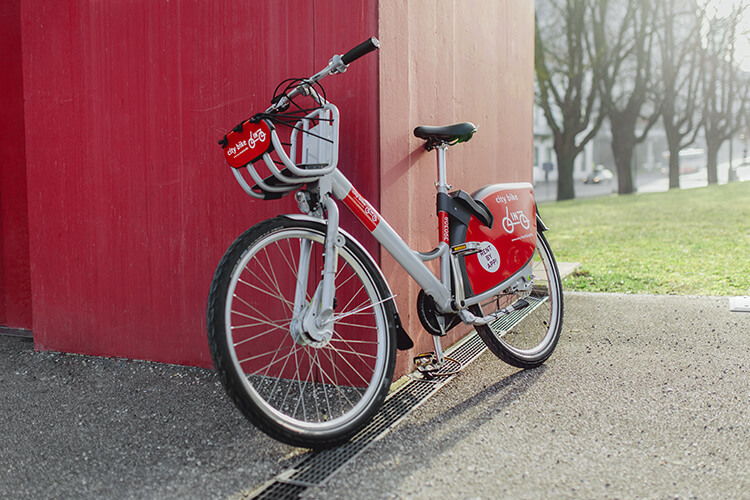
<point x="247" y="142"/>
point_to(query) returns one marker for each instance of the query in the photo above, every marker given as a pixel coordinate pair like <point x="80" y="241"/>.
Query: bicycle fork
<point x="312" y="321"/>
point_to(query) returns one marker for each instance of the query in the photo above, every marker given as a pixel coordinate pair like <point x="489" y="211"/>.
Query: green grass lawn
<point x="685" y="242"/>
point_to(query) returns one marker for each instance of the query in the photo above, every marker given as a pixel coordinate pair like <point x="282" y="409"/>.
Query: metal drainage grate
<point x="506" y="323"/>
<point x="318" y="466"/>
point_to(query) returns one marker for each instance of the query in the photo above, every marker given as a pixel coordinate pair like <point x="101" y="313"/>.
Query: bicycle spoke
<point x="325" y="386"/>
<point x="273" y="360"/>
<point x="312" y="359"/>
<point x="301" y="390"/>
<point x="362" y="309"/>
<point x="352" y="341"/>
<point x="292" y="266"/>
<point x="360" y="355"/>
<point x="255" y="309"/>
<point x="261" y="320"/>
<point x="343" y="358"/>
<point x="351" y="349"/>
<point x="353" y="297"/>
<point x="269" y="293"/>
<point x="254" y="337"/>
<point x="342" y="283"/>
<point x="272" y="277"/>
<point x="268" y="366"/>
<point x="337" y="384"/>
<point x="356" y="325"/>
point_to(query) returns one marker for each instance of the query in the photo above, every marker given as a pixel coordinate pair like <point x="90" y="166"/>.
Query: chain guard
<point x="428" y="315"/>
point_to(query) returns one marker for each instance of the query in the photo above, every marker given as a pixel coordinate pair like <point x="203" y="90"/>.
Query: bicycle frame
<point x="314" y="320"/>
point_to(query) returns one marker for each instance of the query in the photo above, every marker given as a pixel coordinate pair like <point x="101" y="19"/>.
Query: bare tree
<point x="679" y="57"/>
<point x="725" y="91"/>
<point x="567" y="87"/>
<point x="624" y="41"/>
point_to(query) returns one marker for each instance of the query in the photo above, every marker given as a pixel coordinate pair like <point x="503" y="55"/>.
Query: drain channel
<point x="318" y="466"/>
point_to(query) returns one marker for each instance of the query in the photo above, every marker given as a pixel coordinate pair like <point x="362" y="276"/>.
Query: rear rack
<point x="313" y="153"/>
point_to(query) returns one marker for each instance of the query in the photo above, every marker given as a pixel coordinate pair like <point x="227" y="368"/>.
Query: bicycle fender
<point x="540" y="226"/>
<point x="403" y="341"/>
<point x="510" y="243"/>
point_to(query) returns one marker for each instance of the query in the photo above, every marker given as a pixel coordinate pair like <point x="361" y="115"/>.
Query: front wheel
<point x="527" y="337"/>
<point x="299" y="390"/>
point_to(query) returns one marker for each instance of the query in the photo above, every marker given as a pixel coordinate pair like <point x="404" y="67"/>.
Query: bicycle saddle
<point x="449" y="134"/>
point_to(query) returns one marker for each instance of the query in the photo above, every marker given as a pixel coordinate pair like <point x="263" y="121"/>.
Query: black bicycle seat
<point x="449" y="134"/>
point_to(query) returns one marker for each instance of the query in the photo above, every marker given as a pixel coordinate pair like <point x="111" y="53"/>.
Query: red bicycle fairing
<point x="510" y="244"/>
<point x="248" y="144"/>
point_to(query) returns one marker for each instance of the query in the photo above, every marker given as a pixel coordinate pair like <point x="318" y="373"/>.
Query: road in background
<point x="646" y="182"/>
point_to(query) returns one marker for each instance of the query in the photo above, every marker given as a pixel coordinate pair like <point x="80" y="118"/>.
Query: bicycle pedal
<point x="467" y="248"/>
<point x="428" y="365"/>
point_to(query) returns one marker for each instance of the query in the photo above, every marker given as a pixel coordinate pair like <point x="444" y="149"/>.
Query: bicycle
<point x="302" y="324"/>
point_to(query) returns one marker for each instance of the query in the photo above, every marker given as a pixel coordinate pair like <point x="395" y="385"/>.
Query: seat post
<point x="442" y="182"/>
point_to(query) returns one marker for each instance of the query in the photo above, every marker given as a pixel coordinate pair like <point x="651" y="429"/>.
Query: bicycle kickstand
<point x="436" y="364"/>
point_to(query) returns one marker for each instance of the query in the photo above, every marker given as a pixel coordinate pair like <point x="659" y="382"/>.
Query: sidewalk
<point x="645" y="397"/>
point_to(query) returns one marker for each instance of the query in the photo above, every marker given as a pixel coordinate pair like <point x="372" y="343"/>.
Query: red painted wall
<point x="446" y="62"/>
<point x="132" y="205"/>
<point x="15" y="284"/>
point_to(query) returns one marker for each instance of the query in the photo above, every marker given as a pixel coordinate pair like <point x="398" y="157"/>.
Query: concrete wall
<point x="446" y="62"/>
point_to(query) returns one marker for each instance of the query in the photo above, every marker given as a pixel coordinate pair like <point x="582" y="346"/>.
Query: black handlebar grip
<point x="363" y="48"/>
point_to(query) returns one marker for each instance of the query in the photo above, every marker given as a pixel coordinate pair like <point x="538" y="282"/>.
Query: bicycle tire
<point x="329" y="391"/>
<point x="527" y="337"/>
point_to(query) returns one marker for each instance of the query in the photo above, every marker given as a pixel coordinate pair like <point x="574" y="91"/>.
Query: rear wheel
<point x="527" y="337"/>
<point x="297" y="388"/>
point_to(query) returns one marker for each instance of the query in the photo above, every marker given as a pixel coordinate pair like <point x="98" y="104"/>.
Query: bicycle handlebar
<point x="360" y="50"/>
<point x="337" y="64"/>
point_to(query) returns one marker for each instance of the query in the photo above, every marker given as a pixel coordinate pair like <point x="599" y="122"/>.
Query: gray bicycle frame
<point x="316" y="317"/>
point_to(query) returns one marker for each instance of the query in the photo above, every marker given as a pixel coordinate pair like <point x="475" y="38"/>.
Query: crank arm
<point x="471" y="319"/>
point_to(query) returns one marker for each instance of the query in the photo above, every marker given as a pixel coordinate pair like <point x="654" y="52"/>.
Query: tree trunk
<point x="674" y="168"/>
<point x="673" y="142"/>
<point x="565" y="164"/>
<point x="712" y="156"/>
<point x="623" y="145"/>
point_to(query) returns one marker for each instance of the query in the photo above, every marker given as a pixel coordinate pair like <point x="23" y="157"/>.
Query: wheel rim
<point x="312" y="389"/>
<point x="528" y="333"/>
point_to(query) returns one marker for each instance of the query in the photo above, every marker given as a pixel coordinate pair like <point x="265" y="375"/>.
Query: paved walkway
<point x="644" y="397"/>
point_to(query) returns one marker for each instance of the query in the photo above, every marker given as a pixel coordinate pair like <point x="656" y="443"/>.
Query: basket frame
<point x="316" y="136"/>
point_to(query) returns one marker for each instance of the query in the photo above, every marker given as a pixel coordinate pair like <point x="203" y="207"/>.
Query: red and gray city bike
<point x="302" y="324"/>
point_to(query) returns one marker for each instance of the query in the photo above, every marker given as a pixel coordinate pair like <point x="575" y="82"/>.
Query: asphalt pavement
<point x="645" y="397"/>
